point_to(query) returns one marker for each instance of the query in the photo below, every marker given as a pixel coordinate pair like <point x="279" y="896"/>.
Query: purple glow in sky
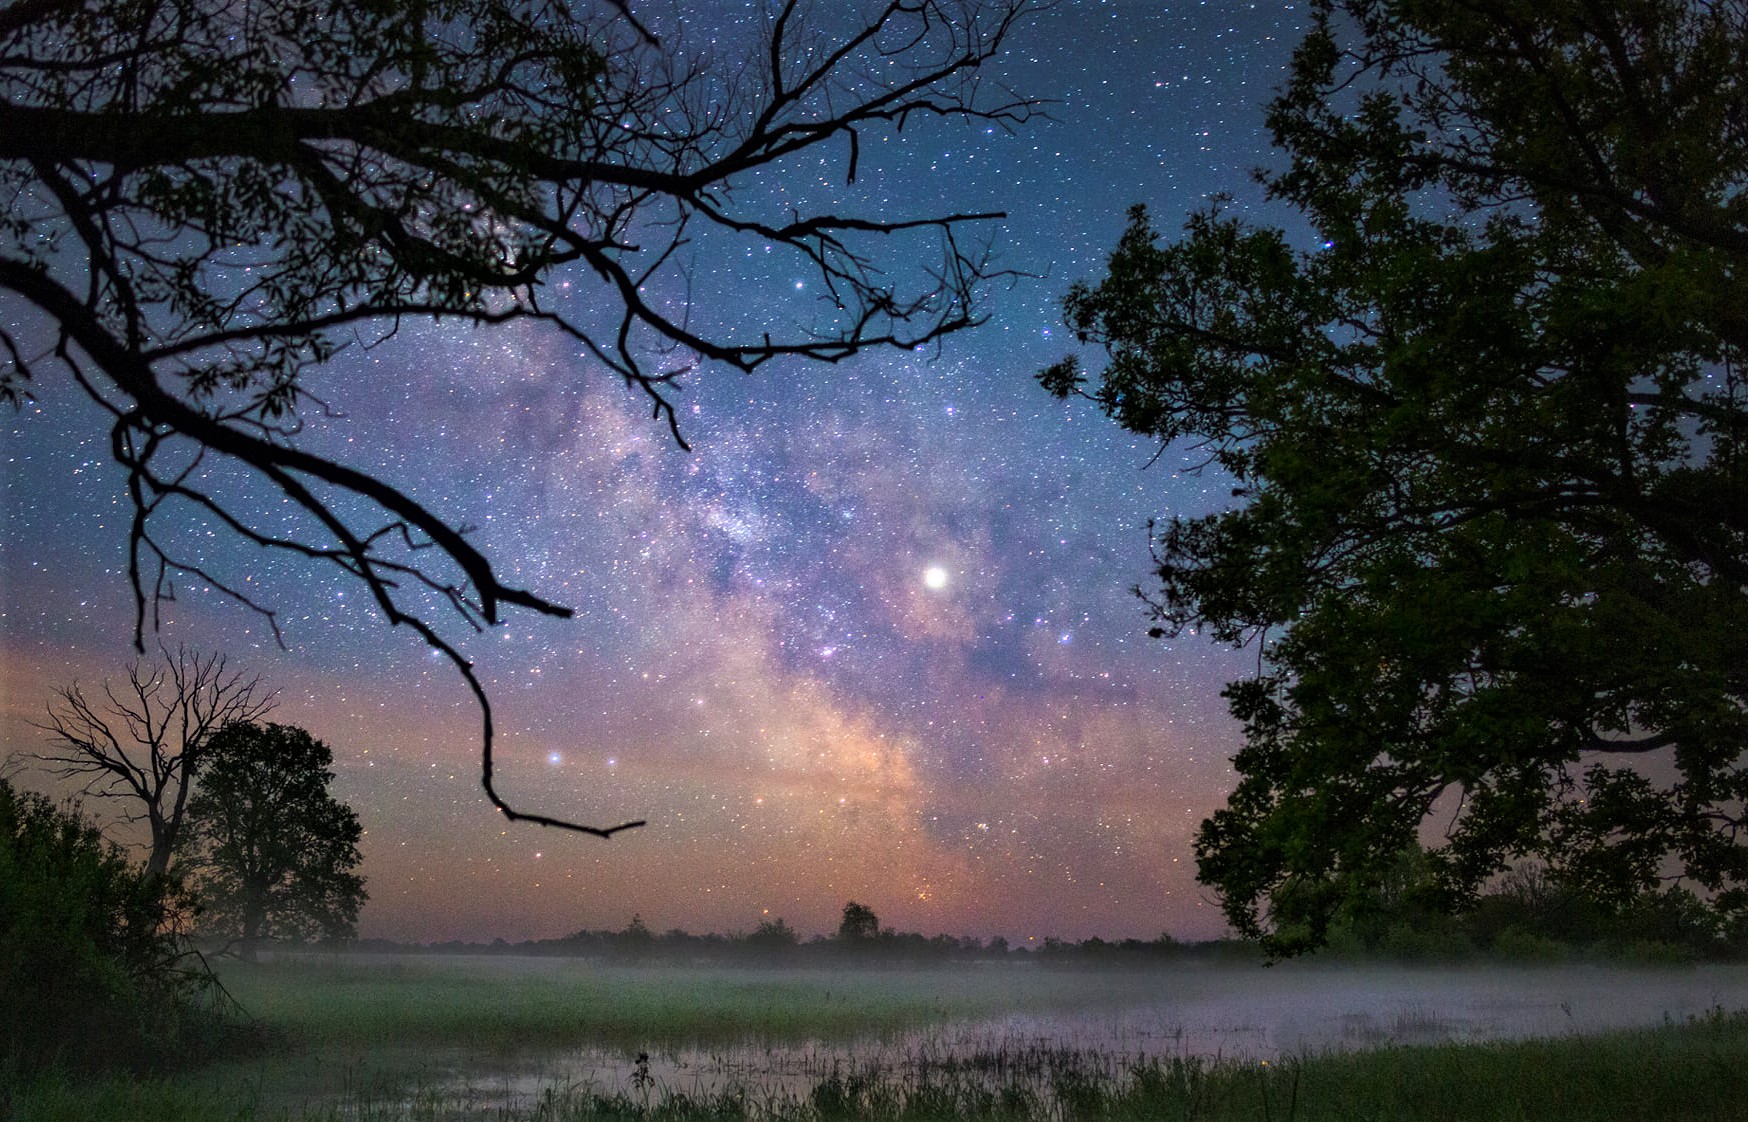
<point x="871" y="639"/>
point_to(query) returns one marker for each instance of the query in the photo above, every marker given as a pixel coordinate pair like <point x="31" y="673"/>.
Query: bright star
<point x="934" y="578"/>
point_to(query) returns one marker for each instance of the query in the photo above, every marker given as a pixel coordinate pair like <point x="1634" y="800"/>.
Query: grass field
<point x="417" y="1041"/>
<point x="516" y="1003"/>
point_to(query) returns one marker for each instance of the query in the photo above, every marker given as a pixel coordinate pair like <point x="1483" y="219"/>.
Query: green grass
<point x="513" y="1005"/>
<point x="382" y="1042"/>
<point x="1679" y="1072"/>
<point x="1692" y="1071"/>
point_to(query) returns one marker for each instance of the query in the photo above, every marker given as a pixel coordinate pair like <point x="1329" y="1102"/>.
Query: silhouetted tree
<point x="270" y="852"/>
<point x="773" y="935"/>
<point x="859" y="925"/>
<point x="637" y="940"/>
<point x="205" y="199"/>
<point x="1531" y="900"/>
<point x="1489" y="442"/>
<point x="1399" y="914"/>
<point x="143" y="743"/>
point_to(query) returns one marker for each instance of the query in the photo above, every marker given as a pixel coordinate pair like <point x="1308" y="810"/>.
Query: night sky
<point x="872" y="638"/>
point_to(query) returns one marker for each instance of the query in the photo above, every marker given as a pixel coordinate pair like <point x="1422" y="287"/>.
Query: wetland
<point x="429" y="1037"/>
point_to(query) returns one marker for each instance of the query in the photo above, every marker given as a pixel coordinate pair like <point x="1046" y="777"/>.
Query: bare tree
<point x="142" y="743"/>
<point x="204" y="199"/>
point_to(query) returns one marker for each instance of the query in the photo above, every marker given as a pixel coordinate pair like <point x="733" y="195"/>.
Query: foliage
<point x="776" y="943"/>
<point x="773" y="935"/>
<point x="1489" y="438"/>
<point x="859" y="925"/>
<point x="1530" y="906"/>
<point x="1527" y="914"/>
<point x="1399" y="917"/>
<point x="272" y="852"/>
<point x="207" y="199"/>
<point x="92" y="973"/>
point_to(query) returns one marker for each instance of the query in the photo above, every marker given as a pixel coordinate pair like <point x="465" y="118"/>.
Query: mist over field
<point x="500" y="1031"/>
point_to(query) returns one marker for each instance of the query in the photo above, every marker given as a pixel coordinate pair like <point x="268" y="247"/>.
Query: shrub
<point x="1518" y="945"/>
<point x="92" y="973"/>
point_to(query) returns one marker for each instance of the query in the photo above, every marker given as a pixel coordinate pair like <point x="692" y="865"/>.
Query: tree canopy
<point x="859" y="923"/>
<point x="1485" y="421"/>
<point x="205" y="199"/>
<point x="271" y="852"/>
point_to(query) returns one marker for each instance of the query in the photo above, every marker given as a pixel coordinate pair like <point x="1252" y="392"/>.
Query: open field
<point x="428" y="1039"/>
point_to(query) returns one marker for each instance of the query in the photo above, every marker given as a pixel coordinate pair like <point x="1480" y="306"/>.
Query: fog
<point x="1210" y="1011"/>
<point x="1294" y="1009"/>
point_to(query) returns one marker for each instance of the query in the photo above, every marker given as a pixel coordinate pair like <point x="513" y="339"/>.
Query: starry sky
<point x="872" y="638"/>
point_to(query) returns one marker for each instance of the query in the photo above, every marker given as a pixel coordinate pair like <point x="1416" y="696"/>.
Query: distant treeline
<point x="1529" y="916"/>
<point x="774" y="942"/>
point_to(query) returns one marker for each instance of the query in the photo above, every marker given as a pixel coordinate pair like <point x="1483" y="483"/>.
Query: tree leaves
<point x="1488" y="441"/>
<point x="272" y="851"/>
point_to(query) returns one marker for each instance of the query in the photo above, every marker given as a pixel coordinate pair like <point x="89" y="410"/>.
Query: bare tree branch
<point x="209" y="199"/>
<point x="141" y="743"/>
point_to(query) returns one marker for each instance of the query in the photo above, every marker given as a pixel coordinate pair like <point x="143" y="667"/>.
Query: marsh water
<point x="1211" y="1012"/>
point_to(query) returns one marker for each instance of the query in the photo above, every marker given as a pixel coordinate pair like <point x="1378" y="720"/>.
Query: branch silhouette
<point x="212" y="200"/>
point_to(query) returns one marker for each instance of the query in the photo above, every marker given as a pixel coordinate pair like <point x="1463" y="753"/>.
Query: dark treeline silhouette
<point x="859" y="939"/>
<point x="94" y="971"/>
<point x="1528" y="916"/>
<point x="678" y="947"/>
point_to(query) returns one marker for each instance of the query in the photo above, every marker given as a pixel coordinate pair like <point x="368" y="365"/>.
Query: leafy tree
<point x="92" y="971"/>
<point x="206" y="199"/>
<point x="773" y="935"/>
<point x="1486" y="431"/>
<point x="1529" y="900"/>
<point x="143" y="743"/>
<point x="1394" y="915"/>
<point x="860" y="925"/>
<point x="272" y="852"/>
<point x="1673" y="921"/>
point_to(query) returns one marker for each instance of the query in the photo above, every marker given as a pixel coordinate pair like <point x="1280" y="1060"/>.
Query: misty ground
<point x="499" y="1032"/>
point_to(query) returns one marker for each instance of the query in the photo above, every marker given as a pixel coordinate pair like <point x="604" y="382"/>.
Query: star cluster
<point x="871" y="639"/>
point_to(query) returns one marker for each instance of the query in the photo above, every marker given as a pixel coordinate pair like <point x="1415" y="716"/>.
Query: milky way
<point x="872" y="638"/>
